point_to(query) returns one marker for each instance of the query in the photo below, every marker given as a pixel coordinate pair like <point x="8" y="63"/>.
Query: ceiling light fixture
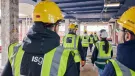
<point x="112" y="5"/>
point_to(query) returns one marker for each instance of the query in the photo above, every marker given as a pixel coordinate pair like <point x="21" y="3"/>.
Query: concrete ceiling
<point x="83" y="10"/>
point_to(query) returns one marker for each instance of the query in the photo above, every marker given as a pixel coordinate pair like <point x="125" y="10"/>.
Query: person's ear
<point x="56" y="28"/>
<point x="128" y="36"/>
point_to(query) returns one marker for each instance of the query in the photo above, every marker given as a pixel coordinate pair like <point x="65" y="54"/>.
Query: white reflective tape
<point x="16" y="48"/>
<point x="104" y="57"/>
<point x="56" y="61"/>
<point x="124" y="69"/>
<point x="100" y="62"/>
<point x="75" y="42"/>
<point x="70" y="48"/>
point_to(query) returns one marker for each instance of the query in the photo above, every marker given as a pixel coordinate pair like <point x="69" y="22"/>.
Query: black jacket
<point x="95" y="54"/>
<point x="125" y="55"/>
<point x="38" y="42"/>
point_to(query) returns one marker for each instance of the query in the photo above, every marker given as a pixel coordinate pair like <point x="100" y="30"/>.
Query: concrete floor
<point x="89" y="70"/>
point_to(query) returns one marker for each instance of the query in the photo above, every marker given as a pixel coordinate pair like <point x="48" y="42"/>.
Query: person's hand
<point x="83" y="63"/>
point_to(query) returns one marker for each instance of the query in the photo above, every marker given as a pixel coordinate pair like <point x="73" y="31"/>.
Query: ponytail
<point x="106" y="45"/>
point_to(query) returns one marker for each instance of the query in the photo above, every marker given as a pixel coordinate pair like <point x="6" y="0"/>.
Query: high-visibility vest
<point x="72" y="45"/>
<point x="91" y="40"/>
<point x="85" y="41"/>
<point x="49" y="67"/>
<point x="120" y="69"/>
<point x="95" y="37"/>
<point x="102" y="56"/>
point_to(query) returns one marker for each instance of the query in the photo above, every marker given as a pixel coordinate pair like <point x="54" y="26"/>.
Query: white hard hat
<point x="103" y="33"/>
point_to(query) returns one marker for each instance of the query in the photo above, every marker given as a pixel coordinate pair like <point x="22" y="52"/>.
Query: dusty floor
<point x="89" y="70"/>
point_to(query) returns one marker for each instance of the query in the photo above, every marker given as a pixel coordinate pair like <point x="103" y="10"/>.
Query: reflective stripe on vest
<point x="95" y="37"/>
<point x="120" y="69"/>
<point x="73" y="46"/>
<point x="85" y="42"/>
<point x="15" y="56"/>
<point x="10" y="51"/>
<point x="101" y="53"/>
<point x="55" y="62"/>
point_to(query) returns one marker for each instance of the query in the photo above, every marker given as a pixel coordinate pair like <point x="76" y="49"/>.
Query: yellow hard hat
<point x="47" y="12"/>
<point x="127" y="20"/>
<point x="72" y="26"/>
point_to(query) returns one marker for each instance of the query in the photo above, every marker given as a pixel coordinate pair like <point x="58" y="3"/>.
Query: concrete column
<point x="9" y="24"/>
<point x="114" y="33"/>
<point x="78" y="31"/>
<point x="29" y="23"/>
<point x="67" y="22"/>
<point x="26" y="25"/>
<point x="23" y="28"/>
<point x="110" y="30"/>
<point x="85" y="27"/>
<point x="20" y="32"/>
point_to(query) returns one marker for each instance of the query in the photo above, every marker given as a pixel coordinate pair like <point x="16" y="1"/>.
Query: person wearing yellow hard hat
<point x="85" y="42"/>
<point x="72" y="42"/>
<point x="40" y="53"/>
<point x="124" y="64"/>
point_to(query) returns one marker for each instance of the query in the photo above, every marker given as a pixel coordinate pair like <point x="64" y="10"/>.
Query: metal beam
<point x="81" y="4"/>
<point x="94" y="15"/>
<point x="69" y="17"/>
<point x="73" y="1"/>
<point x="94" y="19"/>
<point x="91" y="11"/>
<point x="82" y="8"/>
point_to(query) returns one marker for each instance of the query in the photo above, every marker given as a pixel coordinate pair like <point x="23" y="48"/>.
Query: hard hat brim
<point x="126" y="26"/>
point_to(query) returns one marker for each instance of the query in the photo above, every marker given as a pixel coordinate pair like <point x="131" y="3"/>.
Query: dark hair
<point x="102" y="30"/>
<point x="132" y="34"/>
<point x="45" y="25"/>
<point x="71" y="31"/>
<point x="106" y="45"/>
<point x="85" y="32"/>
<point x="48" y="25"/>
